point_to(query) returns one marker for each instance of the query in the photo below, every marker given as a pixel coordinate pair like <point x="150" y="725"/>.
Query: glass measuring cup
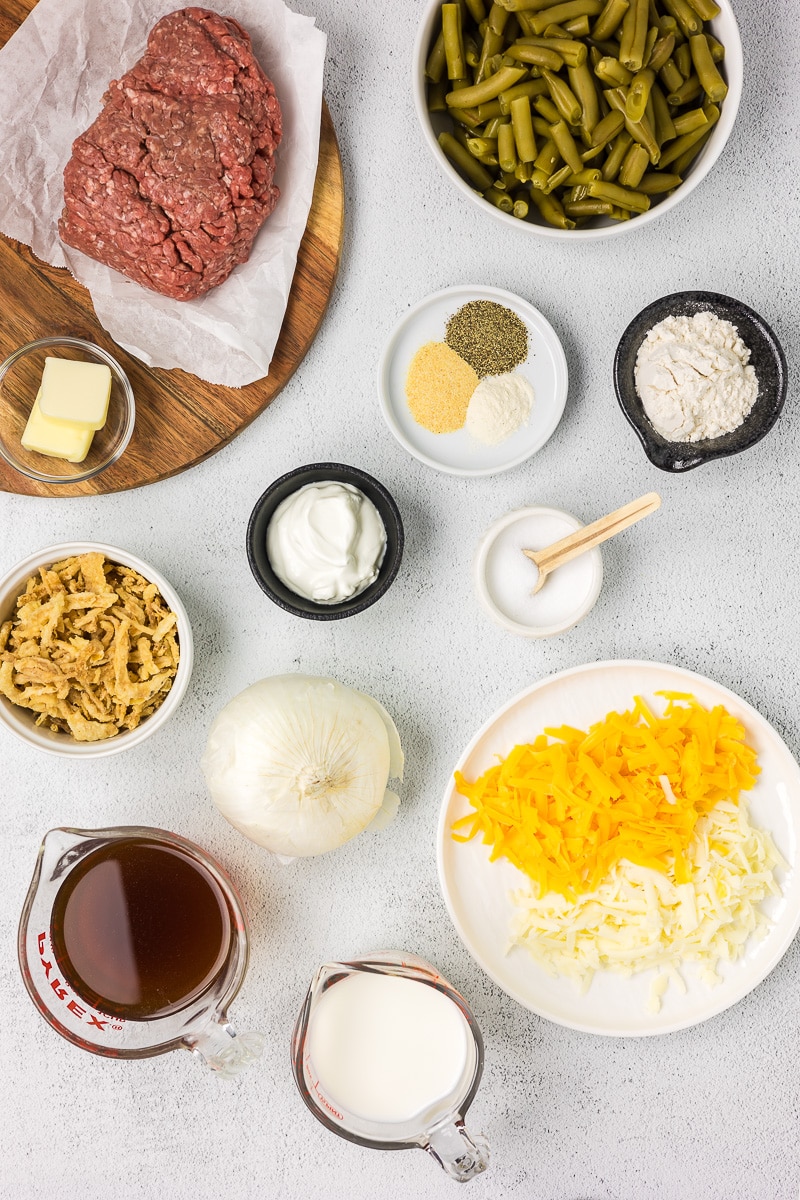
<point x="196" y="1020"/>
<point x="437" y="1127"/>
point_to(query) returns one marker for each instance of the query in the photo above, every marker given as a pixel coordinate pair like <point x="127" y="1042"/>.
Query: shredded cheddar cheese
<point x="569" y="807"/>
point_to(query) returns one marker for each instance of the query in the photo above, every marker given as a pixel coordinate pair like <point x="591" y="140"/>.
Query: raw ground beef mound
<point x="173" y="181"/>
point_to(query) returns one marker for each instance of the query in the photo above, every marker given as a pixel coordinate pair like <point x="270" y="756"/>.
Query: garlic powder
<point x="693" y="378"/>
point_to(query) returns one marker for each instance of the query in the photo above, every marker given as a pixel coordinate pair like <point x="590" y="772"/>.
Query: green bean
<point x="634" y="36"/>
<point x="639" y="94"/>
<point x="682" y="164"/>
<point x="524" y="172"/>
<point x="640" y="131"/>
<point x="436" y="63"/>
<point x="506" y="151"/>
<point x="489" y="110"/>
<point x="548" y="158"/>
<point x="453" y="41"/>
<point x="550" y="208"/>
<point x="564" y="98"/>
<point x="609" y="19"/>
<point x="524" y="25"/>
<point x="489" y="89"/>
<point x="557" y="179"/>
<point x="634" y="165"/>
<point x="499" y="199"/>
<point x="492" y="44"/>
<point x="712" y="82"/>
<point x="498" y="18"/>
<point x="542" y="127"/>
<point x="686" y="93"/>
<point x="661" y="51"/>
<point x="670" y="76"/>
<point x="466" y="116"/>
<point x="521" y="206"/>
<point x="581" y="80"/>
<point x="587" y="208"/>
<point x="619" y="196"/>
<point x="491" y="127"/>
<point x="687" y="122"/>
<point x="621" y="145"/>
<point x="529" y="88"/>
<point x="566" y="145"/>
<point x="649" y="43"/>
<point x="436" y="93"/>
<point x="578" y="27"/>
<point x="522" y="125"/>
<point x="573" y="53"/>
<point x="565" y="12"/>
<point x="471" y="53"/>
<point x="606" y="130"/>
<point x="685" y="15"/>
<point x="460" y="157"/>
<point x="539" y="179"/>
<point x="527" y="6"/>
<point x="717" y="49"/>
<point x="545" y="107"/>
<point x="582" y="177"/>
<point x="679" y="147"/>
<point x="683" y="59"/>
<point x="476" y="10"/>
<point x="611" y="71"/>
<point x="539" y="56"/>
<point x="664" y="125"/>
<point x="620" y="214"/>
<point x="479" y="146"/>
<point x="706" y="9"/>
<point x="655" y="183"/>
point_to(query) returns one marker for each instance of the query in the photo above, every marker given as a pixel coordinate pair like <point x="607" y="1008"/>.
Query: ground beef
<point x="172" y="182"/>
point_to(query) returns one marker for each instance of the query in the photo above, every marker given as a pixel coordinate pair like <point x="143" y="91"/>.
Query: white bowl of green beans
<point x="577" y="118"/>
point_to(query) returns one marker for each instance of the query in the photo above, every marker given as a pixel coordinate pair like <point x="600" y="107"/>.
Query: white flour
<point x="498" y="406"/>
<point x="693" y="379"/>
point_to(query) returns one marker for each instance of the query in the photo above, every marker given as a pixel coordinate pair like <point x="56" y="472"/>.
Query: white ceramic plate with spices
<point x="460" y="453"/>
<point x="478" y="892"/>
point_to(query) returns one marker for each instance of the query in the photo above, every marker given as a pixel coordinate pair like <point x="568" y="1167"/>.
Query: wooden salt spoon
<point x="591" y="535"/>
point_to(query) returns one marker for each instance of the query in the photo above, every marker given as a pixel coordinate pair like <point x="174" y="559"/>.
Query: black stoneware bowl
<point x="260" y="518"/>
<point x="766" y="356"/>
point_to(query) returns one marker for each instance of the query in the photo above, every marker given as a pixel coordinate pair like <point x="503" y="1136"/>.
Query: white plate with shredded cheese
<point x="654" y="999"/>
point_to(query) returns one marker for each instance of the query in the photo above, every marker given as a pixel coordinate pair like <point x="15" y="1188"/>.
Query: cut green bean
<point x="581" y="81"/>
<point x="471" y="51"/>
<point x="620" y="196"/>
<point x="465" y="116"/>
<point x="639" y="94"/>
<point x="711" y="81"/>
<point x="682" y="164"/>
<point x="619" y="148"/>
<point x="578" y="27"/>
<point x="551" y="210"/>
<point x="453" y="41"/>
<point x="566" y="145"/>
<point x="436" y="93"/>
<point x="664" y="125"/>
<point x="661" y="51"/>
<point x="488" y="89"/>
<point x="563" y="97"/>
<point x="606" y="130"/>
<point x="460" y="157"/>
<point x="491" y="127"/>
<point x="717" y="49"/>
<point x="687" y="93"/>
<point x="529" y="88"/>
<point x="683" y="59"/>
<point x="640" y="131"/>
<point x="506" y="150"/>
<point x="670" y="76"/>
<point x="479" y="146"/>
<point x="635" y="25"/>
<point x="498" y="18"/>
<point x="707" y="10"/>
<point x="545" y="107"/>
<point x="489" y="110"/>
<point x="548" y="158"/>
<point x="436" y="63"/>
<point x="687" y="122"/>
<point x="522" y="126"/>
<point x="609" y="20"/>
<point x="679" y="147"/>
<point x="611" y="72"/>
<point x="655" y="183"/>
<point x="688" y="20"/>
<point x="541" y="127"/>
<point x="565" y="12"/>
<point x="499" y="199"/>
<point x="538" y="56"/>
<point x="492" y="44"/>
<point x="573" y="53"/>
<point x="477" y="10"/>
<point x="521" y="206"/>
<point x="587" y="208"/>
<point x="634" y="165"/>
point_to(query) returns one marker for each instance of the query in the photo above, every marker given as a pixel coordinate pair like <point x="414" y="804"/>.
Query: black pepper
<point x="488" y="336"/>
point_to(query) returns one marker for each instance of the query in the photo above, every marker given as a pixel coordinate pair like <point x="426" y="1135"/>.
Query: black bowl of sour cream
<point x="325" y="541"/>
<point x="766" y="357"/>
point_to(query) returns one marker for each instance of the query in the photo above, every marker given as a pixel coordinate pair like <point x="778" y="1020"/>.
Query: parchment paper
<point x="53" y="73"/>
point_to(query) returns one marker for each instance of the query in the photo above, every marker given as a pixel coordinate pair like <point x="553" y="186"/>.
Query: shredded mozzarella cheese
<point x="639" y="918"/>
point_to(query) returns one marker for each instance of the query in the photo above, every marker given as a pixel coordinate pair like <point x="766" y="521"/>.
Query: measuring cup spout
<point x="223" y="1050"/>
<point x="460" y="1156"/>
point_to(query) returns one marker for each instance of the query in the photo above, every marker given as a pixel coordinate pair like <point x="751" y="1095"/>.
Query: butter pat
<point x="56" y="439"/>
<point x="75" y="391"/>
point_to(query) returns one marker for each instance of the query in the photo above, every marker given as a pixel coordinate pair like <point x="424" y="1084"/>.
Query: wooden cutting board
<point x="180" y="419"/>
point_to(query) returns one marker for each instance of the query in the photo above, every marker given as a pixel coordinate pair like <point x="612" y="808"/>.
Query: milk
<point x="387" y="1049"/>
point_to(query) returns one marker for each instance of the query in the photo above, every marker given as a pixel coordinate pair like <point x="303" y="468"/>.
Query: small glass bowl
<point x="20" y="379"/>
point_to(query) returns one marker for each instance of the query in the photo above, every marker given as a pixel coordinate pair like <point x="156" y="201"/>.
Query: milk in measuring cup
<point x="387" y="1048"/>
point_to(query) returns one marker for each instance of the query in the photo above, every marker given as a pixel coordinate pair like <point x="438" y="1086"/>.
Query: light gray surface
<point x="710" y="583"/>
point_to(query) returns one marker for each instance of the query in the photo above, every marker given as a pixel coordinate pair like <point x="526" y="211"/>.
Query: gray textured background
<point x="709" y="583"/>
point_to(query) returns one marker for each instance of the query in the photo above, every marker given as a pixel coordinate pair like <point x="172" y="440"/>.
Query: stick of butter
<point x="75" y="391"/>
<point x="56" y="439"/>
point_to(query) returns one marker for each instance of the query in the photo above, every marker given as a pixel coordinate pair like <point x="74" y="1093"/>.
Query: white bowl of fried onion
<point x="142" y="668"/>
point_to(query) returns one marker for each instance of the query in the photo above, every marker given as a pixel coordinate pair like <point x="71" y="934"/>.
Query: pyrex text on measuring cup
<point x="133" y="942"/>
<point x="386" y="1053"/>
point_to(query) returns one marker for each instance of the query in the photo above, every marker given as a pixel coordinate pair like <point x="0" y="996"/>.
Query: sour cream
<point x="326" y="542"/>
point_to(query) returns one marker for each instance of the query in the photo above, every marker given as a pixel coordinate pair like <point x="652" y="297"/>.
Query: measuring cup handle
<point x="460" y="1155"/>
<point x="225" y="1051"/>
